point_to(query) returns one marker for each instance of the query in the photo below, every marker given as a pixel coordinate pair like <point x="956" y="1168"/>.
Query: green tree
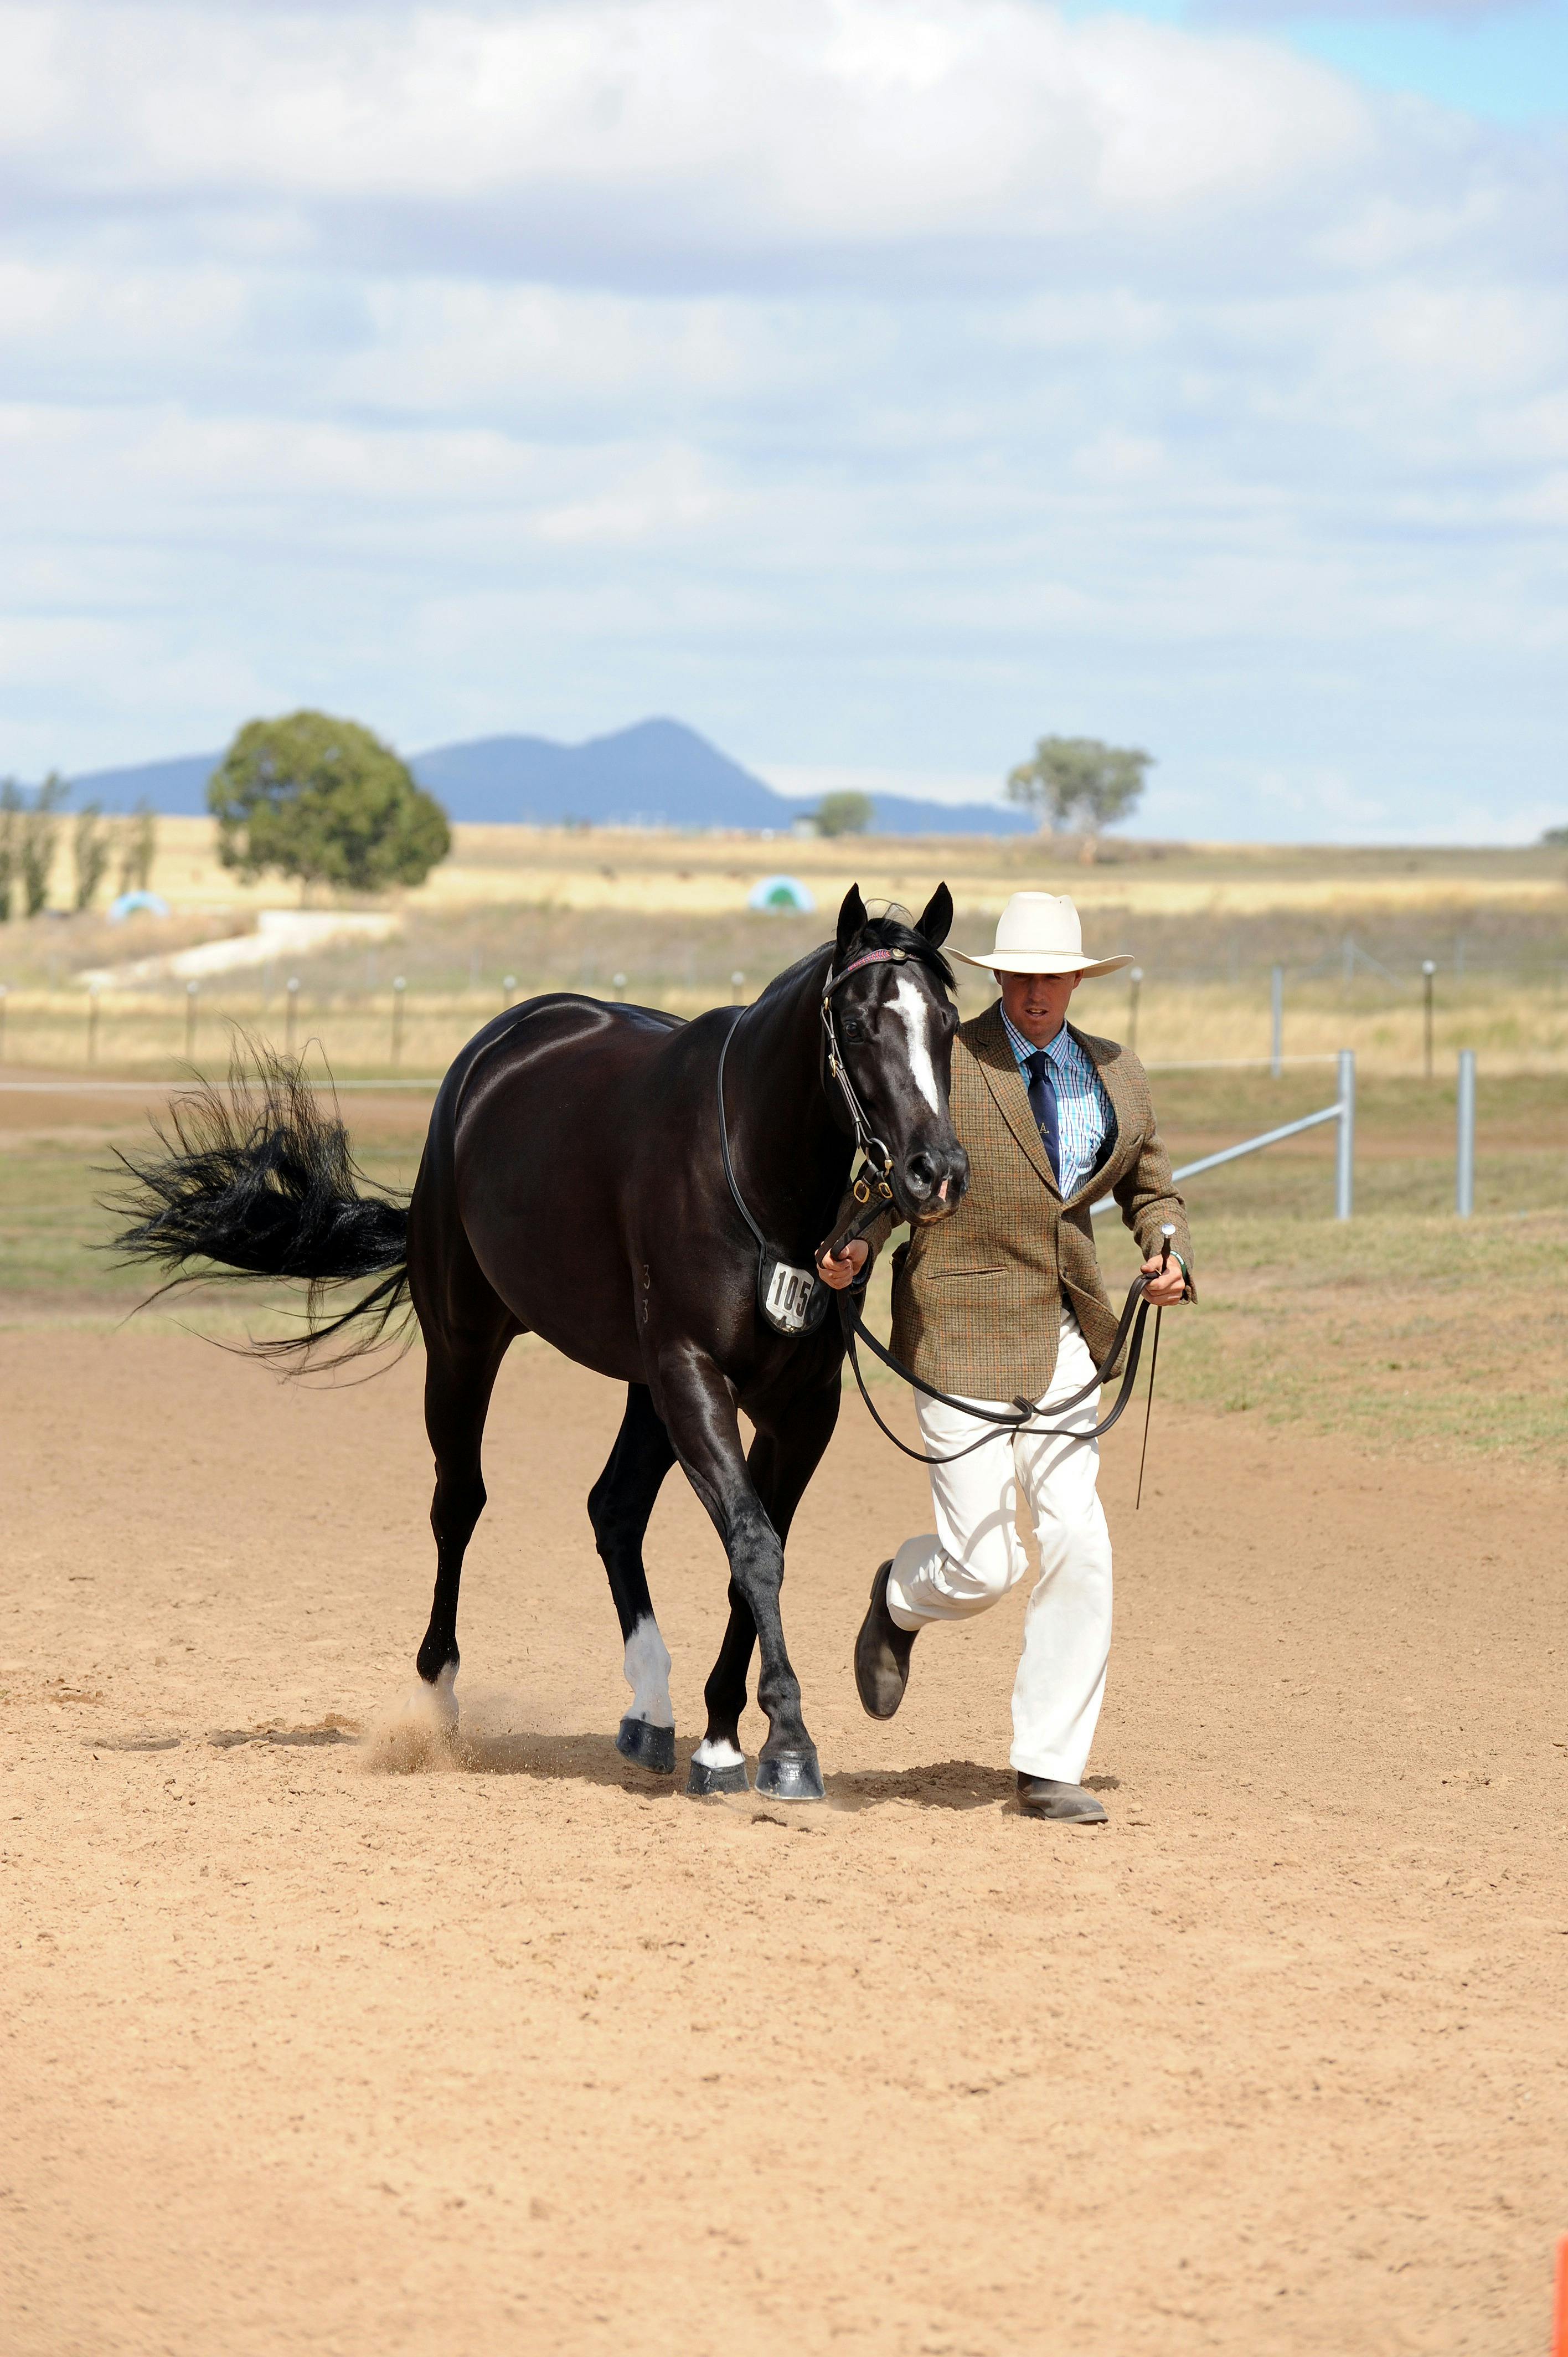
<point x="10" y="841"/>
<point x="1558" y="836"/>
<point x="844" y="813"/>
<point x="94" y="848"/>
<point x="38" y="826"/>
<point x="1076" y="785"/>
<point x="138" y="848"/>
<point x="326" y="801"/>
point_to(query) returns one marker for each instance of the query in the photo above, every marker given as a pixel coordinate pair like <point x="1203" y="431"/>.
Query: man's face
<point x="1037" y="1002"/>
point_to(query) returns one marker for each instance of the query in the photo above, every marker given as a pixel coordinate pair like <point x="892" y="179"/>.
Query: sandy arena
<point x="523" y="2053"/>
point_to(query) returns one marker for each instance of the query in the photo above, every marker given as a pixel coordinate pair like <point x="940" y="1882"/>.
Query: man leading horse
<point x="1003" y="1300"/>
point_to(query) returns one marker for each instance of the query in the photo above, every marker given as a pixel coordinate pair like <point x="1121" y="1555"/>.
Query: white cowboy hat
<point x="1039" y="933"/>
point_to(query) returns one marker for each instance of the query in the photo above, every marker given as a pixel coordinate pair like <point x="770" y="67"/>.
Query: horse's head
<point x="895" y="1022"/>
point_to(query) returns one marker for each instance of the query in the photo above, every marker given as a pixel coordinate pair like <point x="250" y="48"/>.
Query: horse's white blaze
<point x="910" y="1003"/>
<point x="714" y="1752"/>
<point x="648" y="1673"/>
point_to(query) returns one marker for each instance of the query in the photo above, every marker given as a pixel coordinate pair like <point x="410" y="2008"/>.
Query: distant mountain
<point x="177" y="787"/>
<point x="658" y="774"/>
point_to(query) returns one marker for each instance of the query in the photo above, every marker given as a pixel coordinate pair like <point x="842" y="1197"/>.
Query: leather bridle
<point x="878" y="1186"/>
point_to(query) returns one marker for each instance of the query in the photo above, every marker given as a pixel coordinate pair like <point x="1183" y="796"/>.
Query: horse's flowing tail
<point x="257" y="1182"/>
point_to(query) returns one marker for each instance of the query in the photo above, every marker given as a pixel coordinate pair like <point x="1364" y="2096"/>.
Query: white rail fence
<point x="1343" y="1112"/>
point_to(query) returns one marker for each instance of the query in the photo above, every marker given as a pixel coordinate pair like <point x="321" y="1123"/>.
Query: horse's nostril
<point x="920" y="1172"/>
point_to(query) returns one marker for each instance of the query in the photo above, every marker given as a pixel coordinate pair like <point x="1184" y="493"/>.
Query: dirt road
<point x="299" y="2054"/>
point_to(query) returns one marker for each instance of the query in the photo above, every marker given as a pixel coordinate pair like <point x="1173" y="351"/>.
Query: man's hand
<point x="841" y="1269"/>
<point x="1167" y="1288"/>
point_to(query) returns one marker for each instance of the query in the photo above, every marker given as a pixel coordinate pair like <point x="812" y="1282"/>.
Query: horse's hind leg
<point x="459" y="1376"/>
<point x="718" y="1763"/>
<point x="619" y="1504"/>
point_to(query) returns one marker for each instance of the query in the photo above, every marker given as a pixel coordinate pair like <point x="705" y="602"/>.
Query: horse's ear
<point x="935" y="919"/>
<point x="852" y="919"/>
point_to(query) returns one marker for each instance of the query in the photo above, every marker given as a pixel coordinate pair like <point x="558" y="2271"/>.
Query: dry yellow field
<point x="661" y="917"/>
<point x="651" y="870"/>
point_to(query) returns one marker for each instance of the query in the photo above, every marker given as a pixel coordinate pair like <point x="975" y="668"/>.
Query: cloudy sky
<point x="875" y="385"/>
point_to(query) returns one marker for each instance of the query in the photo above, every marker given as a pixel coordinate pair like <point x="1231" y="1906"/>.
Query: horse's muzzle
<point x="932" y="1182"/>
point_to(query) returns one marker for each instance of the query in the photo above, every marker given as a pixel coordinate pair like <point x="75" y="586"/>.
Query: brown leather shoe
<point x="1068" y="1804"/>
<point x="882" y="1652"/>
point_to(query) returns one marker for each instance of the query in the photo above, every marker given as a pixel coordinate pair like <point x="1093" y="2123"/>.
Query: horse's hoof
<point x="652" y="1747"/>
<point x="724" y="1773"/>
<point x="443" y="1698"/>
<point x="791" y="1776"/>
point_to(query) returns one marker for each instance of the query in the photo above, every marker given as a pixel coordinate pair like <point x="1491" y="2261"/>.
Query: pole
<point x="1135" y="987"/>
<point x="1277" y="1010"/>
<point x="1464" y="1140"/>
<point x="399" y="989"/>
<point x="192" y="993"/>
<point x="92" y="1023"/>
<point x="617" y="982"/>
<point x="509" y="984"/>
<point x="292" y="996"/>
<point x="1345" y="1156"/>
<point x="736" y="984"/>
<point x="1428" y="975"/>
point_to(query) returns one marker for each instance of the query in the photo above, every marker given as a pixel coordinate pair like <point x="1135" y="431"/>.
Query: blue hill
<point x="658" y="774"/>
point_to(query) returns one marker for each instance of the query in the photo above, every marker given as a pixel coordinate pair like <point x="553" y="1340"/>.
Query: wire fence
<point x="1179" y="1016"/>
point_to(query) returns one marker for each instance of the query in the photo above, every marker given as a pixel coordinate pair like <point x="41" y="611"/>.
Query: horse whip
<point x="1167" y="1231"/>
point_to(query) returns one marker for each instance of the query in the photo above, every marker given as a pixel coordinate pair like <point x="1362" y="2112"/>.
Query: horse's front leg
<point x="699" y="1411"/>
<point x="780" y="1465"/>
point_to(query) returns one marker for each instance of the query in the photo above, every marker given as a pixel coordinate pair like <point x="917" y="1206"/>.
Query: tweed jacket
<point x="977" y="1298"/>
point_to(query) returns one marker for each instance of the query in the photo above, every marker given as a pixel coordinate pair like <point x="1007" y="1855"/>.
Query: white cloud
<point x="877" y="383"/>
<point x="642" y="127"/>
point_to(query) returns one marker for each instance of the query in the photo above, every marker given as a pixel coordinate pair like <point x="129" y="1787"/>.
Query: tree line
<point x="29" y="830"/>
<point x="307" y="796"/>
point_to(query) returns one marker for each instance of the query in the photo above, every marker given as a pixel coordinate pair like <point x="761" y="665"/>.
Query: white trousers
<point x="975" y="1556"/>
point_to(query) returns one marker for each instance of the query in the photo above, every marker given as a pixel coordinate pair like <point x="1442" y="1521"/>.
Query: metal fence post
<point x="1428" y="975"/>
<point x="617" y="982"/>
<point x="1277" y="1009"/>
<point x="192" y="993"/>
<point x="736" y="984"/>
<point x="1345" y="1136"/>
<point x="509" y="984"/>
<point x="1464" y="1140"/>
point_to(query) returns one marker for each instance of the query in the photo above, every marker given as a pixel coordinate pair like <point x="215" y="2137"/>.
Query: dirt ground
<point x="523" y="2051"/>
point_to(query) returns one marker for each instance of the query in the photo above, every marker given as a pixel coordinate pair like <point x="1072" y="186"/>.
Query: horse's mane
<point x="890" y="930"/>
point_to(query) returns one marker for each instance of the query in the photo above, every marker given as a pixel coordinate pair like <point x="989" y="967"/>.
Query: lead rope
<point x="1134" y="1314"/>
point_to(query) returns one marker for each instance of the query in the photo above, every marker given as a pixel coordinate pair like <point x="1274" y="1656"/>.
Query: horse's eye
<point x="852" y="1029"/>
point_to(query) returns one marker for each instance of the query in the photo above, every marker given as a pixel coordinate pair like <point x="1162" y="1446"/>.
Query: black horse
<point x="600" y="1176"/>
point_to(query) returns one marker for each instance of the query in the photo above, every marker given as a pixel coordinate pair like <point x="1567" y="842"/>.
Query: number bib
<point x="793" y="1300"/>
